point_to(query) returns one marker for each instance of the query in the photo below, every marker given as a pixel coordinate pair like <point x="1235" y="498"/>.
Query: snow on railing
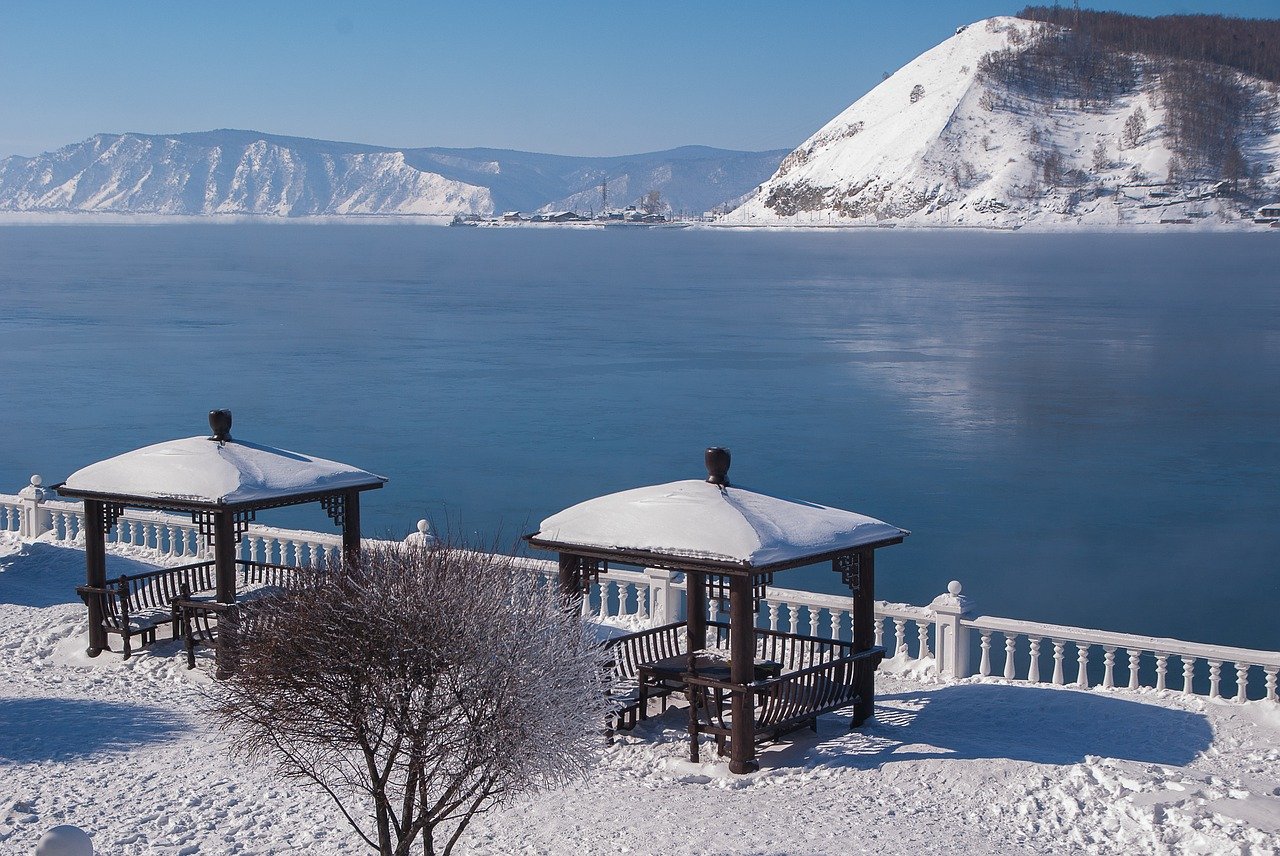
<point x="941" y="635"/>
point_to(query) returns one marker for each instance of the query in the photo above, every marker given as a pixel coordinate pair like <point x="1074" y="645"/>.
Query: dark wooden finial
<point x="220" y="424"/>
<point x="717" y="458"/>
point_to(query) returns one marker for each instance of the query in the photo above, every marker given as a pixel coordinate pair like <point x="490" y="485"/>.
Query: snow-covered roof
<point x="201" y="470"/>
<point x="700" y="521"/>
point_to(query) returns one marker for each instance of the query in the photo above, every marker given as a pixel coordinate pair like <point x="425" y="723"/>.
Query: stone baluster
<point x="1271" y="683"/>
<point x="1108" y="666"/>
<point x="834" y="621"/>
<point x="1215" y="678"/>
<point x="1242" y="682"/>
<point x="899" y="637"/>
<point x="922" y="632"/>
<point x="1033" y="668"/>
<point x="606" y="589"/>
<point x="1135" y="660"/>
<point x="879" y="632"/>
<point x="984" y="665"/>
<point x="643" y="594"/>
<point x="1058" y="657"/>
<point x="1188" y="672"/>
<point x="1082" y="665"/>
<point x="1010" y="644"/>
<point x="1162" y="670"/>
<point x="772" y="607"/>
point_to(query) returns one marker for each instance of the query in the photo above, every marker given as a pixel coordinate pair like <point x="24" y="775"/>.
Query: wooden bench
<point x="225" y="626"/>
<point x="819" y="676"/>
<point x="139" y="604"/>
<point x="629" y="653"/>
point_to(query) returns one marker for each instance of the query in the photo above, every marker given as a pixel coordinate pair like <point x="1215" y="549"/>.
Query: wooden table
<point x="668" y="674"/>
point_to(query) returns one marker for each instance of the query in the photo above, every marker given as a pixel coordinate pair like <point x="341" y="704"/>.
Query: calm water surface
<point x="1082" y="429"/>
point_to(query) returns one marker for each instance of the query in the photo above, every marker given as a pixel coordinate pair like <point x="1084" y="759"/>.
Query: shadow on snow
<point x="58" y="729"/>
<point x="990" y="721"/>
<point x="42" y="575"/>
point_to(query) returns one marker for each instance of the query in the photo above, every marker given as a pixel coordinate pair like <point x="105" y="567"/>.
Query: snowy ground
<point x="121" y="749"/>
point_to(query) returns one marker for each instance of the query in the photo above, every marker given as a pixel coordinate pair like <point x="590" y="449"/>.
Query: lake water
<point x="1083" y="429"/>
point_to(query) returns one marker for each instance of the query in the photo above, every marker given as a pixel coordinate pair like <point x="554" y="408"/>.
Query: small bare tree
<point x="1101" y="158"/>
<point x="1134" y="127"/>
<point x="418" y="687"/>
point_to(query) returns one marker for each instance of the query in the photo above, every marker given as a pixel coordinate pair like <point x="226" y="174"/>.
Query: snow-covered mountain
<point x="246" y="172"/>
<point x="944" y="141"/>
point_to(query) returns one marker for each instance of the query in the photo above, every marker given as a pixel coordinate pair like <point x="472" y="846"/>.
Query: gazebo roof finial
<point x="220" y="424"/>
<point x="717" y="458"/>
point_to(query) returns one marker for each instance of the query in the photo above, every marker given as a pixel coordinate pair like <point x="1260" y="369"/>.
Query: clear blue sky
<point x="604" y="77"/>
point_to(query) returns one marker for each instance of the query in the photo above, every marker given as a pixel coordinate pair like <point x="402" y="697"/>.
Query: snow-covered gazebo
<point x="726" y="537"/>
<point x="222" y="483"/>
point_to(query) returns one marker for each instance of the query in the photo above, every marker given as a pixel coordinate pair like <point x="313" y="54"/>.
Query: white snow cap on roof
<point x="197" y="469"/>
<point x="699" y="520"/>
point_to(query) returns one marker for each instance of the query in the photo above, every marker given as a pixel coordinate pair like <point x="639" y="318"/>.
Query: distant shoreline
<point x="86" y="218"/>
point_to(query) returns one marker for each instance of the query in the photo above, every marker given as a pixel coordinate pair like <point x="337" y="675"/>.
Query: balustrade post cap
<point x="65" y="840"/>
<point x="952" y="602"/>
<point x="423" y="535"/>
<point x="34" y="490"/>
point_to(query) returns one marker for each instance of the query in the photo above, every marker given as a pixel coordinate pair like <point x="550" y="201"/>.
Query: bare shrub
<point x="416" y="688"/>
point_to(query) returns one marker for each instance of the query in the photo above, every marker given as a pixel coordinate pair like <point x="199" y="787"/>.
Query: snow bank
<point x="123" y="750"/>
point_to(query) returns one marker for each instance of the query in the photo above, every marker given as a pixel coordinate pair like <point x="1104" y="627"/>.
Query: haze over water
<point x="1081" y="428"/>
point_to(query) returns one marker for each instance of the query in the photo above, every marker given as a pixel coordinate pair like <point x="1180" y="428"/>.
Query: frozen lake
<point x="1084" y="429"/>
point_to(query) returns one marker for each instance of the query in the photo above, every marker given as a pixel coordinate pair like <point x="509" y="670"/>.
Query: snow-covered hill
<point x="940" y="143"/>
<point x="245" y="172"/>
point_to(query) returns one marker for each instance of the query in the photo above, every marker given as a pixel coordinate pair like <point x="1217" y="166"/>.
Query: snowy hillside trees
<point x="417" y="689"/>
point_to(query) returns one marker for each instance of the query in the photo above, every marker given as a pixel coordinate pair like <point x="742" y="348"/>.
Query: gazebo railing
<point x="164" y="537"/>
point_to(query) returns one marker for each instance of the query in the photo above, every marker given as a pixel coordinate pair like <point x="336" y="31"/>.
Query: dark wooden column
<point x="351" y="525"/>
<point x="95" y="562"/>
<point x="742" y="668"/>
<point x="864" y="623"/>
<point x="224" y="554"/>
<point x="570" y="580"/>
<point x="695" y="601"/>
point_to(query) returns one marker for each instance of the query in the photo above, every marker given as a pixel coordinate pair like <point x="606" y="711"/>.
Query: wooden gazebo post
<point x="95" y="560"/>
<point x="224" y="555"/>
<point x="742" y="665"/>
<point x="864" y="623"/>
<point x="351" y="526"/>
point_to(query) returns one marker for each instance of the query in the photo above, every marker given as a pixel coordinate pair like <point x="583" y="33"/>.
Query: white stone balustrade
<point x="944" y="632"/>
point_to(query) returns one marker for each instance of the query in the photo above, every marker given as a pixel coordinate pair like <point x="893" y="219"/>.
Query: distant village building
<point x="1268" y="213"/>
<point x="512" y="217"/>
<point x="562" y="217"/>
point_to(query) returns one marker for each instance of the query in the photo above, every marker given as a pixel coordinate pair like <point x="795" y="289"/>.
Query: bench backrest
<point x="630" y="652"/>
